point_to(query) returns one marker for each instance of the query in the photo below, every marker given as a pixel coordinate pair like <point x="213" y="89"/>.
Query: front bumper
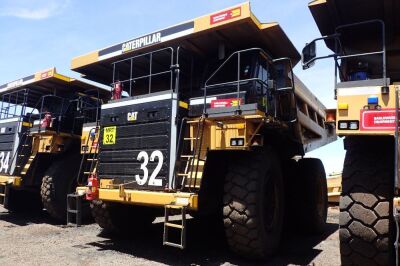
<point x="11" y="180"/>
<point x="149" y="198"/>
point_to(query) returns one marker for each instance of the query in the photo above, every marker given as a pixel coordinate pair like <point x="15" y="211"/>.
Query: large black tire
<point x="58" y="182"/>
<point x="366" y="227"/>
<point x="254" y="205"/>
<point x="313" y="202"/>
<point x="290" y="169"/>
<point x="122" y="218"/>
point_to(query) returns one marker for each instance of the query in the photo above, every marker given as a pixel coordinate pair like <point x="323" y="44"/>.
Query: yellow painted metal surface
<point x="376" y="120"/>
<point x="183" y="105"/>
<point x="84" y="59"/>
<point x="13" y="180"/>
<point x="343" y="106"/>
<point x="334" y="184"/>
<point x="151" y="198"/>
<point x="218" y="132"/>
<point x="48" y="143"/>
<point x="89" y="143"/>
<point x="81" y="190"/>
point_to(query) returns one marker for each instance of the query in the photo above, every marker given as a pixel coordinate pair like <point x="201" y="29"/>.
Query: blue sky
<point x="38" y="34"/>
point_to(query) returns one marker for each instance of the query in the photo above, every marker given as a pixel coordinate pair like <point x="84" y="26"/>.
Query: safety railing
<point x="131" y="79"/>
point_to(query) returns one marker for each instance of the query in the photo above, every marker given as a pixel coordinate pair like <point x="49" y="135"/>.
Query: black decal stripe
<point x="165" y="32"/>
<point x="23" y="79"/>
<point x="28" y="78"/>
<point x="111" y="49"/>
<point x="177" y="28"/>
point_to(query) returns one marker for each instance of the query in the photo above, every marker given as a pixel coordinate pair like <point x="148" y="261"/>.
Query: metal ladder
<point x="22" y="165"/>
<point x="89" y="158"/>
<point x="192" y="160"/>
<point x="3" y="194"/>
<point x="74" y="211"/>
<point x="168" y="224"/>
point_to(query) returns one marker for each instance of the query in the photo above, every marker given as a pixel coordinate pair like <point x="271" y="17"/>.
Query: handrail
<point x="383" y="51"/>
<point x="150" y="75"/>
<point x="238" y="81"/>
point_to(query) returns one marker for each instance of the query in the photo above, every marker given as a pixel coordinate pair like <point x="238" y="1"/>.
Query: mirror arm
<point x="307" y="64"/>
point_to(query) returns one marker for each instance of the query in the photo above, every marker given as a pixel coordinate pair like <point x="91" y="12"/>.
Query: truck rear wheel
<point x="366" y="228"/>
<point x="254" y="205"/>
<point x="120" y="218"/>
<point x="57" y="183"/>
<point x="314" y="195"/>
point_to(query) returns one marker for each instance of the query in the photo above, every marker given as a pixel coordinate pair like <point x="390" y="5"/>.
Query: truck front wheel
<point x="58" y="182"/>
<point x="122" y="218"/>
<point x="253" y="202"/>
<point x="366" y="227"/>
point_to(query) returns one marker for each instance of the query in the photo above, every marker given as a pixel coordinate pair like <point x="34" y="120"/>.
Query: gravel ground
<point x="34" y="239"/>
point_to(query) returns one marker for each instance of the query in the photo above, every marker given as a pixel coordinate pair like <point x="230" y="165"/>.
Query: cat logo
<point x="132" y="116"/>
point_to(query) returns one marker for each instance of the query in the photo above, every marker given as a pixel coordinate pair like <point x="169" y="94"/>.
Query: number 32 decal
<point x="145" y="157"/>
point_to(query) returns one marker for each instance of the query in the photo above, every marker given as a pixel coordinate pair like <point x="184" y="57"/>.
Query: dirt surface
<point x="34" y="239"/>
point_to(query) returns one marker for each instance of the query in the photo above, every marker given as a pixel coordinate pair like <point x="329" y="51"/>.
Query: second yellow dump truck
<point x="364" y="39"/>
<point x="41" y="119"/>
<point x="212" y="119"/>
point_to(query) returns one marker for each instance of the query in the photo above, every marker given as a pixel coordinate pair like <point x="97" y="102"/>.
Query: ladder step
<point x="72" y="211"/>
<point x="183" y="174"/>
<point x="173" y="206"/>
<point x="187" y="156"/>
<point x="173" y="245"/>
<point x="179" y="226"/>
<point x="190" y="138"/>
<point x="90" y="159"/>
<point x="87" y="173"/>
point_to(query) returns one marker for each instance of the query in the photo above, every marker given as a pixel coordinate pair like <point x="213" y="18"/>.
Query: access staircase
<point x="191" y="157"/>
<point x="75" y="201"/>
<point x="188" y="171"/>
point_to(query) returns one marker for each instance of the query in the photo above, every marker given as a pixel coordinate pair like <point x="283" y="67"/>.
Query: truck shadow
<point x="206" y="246"/>
<point x="27" y="217"/>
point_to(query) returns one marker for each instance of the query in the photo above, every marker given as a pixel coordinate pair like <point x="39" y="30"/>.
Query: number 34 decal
<point x="4" y="161"/>
<point x="153" y="181"/>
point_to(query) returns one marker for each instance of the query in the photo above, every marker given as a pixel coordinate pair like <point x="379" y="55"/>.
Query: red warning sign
<point x="225" y="15"/>
<point x="225" y="102"/>
<point x="383" y="120"/>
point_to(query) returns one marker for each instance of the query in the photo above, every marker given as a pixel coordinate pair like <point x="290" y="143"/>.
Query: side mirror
<point x="308" y="55"/>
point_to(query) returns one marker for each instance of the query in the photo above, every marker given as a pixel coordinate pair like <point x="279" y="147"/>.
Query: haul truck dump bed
<point x="364" y="37"/>
<point x="213" y="117"/>
<point x="41" y="118"/>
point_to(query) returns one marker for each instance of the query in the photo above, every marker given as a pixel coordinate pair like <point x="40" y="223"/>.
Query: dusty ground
<point x="34" y="239"/>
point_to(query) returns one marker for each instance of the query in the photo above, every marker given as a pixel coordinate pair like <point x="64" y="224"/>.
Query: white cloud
<point x="32" y="9"/>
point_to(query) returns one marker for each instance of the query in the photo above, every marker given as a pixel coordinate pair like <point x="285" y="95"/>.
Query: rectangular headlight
<point x="343" y="125"/>
<point x="349" y="124"/>
<point x="237" y="141"/>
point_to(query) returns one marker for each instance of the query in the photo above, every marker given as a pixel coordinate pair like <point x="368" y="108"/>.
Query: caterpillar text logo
<point x="132" y="116"/>
<point x="15" y="83"/>
<point x="141" y="42"/>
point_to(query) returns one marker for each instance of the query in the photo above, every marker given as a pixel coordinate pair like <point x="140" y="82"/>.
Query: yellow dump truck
<point x="364" y="39"/>
<point x="213" y="117"/>
<point x="41" y="118"/>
